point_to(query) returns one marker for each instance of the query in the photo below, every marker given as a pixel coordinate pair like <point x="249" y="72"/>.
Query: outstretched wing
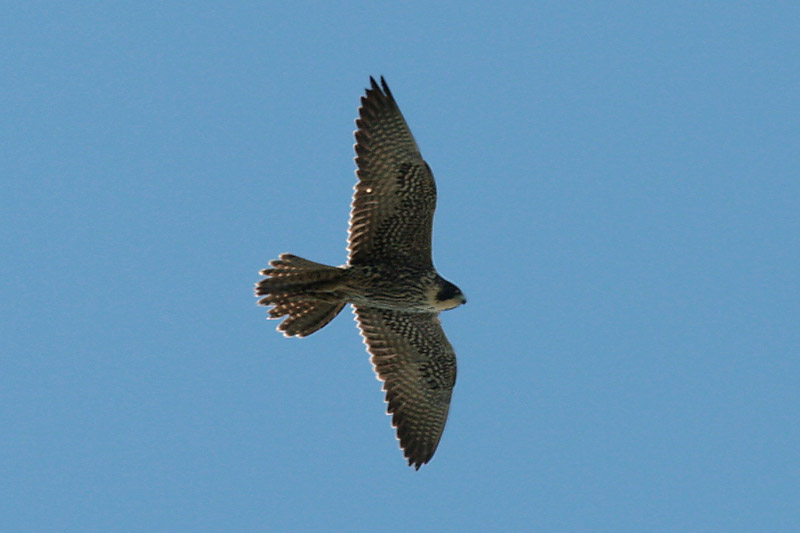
<point x="417" y="364"/>
<point x="395" y="197"/>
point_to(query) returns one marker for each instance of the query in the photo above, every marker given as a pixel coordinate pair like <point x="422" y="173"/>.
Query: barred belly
<point x="388" y="287"/>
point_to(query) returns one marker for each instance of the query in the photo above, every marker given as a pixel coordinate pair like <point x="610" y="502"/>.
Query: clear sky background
<point x="619" y="198"/>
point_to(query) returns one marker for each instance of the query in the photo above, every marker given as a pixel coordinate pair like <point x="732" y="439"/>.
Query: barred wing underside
<point x="395" y="197"/>
<point x="417" y="364"/>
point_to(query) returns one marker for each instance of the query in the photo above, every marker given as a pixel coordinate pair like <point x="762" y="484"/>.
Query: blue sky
<point x="618" y="197"/>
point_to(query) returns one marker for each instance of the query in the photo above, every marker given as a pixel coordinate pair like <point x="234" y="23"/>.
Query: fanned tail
<point x="303" y="291"/>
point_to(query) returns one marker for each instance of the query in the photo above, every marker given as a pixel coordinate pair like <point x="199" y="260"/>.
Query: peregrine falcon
<point x="389" y="278"/>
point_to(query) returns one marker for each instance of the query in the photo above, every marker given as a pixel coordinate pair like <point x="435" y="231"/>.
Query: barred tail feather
<point x="303" y="291"/>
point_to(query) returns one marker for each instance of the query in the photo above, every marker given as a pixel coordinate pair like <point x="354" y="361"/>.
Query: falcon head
<point x="448" y="296"/>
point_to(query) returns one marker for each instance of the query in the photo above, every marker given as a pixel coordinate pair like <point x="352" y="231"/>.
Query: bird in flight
<point x="389" y="278"/>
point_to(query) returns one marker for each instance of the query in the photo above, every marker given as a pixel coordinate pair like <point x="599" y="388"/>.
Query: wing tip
<point x="385" y="87"/>
<point x="416" y="459"/>
<point x="382" y="89"/>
